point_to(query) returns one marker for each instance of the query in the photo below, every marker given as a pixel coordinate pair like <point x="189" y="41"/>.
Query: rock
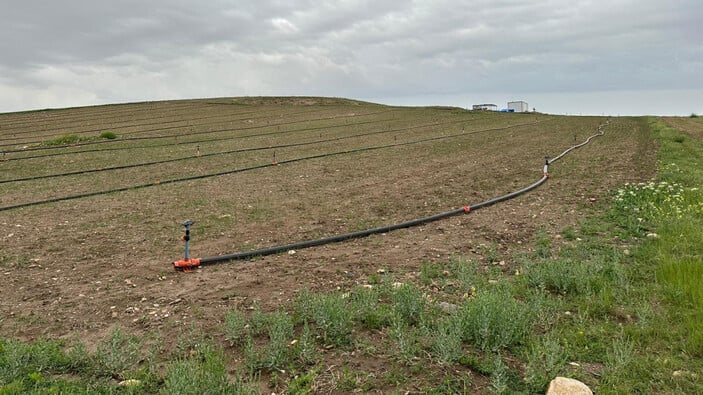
<point x="652" y="235"/>
<point x="567" y="386"/>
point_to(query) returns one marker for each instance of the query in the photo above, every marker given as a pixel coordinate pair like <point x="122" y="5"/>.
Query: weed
<point x="235" y="326"/>
<point x="409" y="303"/>
<point x="465" y="273"/>
<point x="367" y="309"/>
<point x="492" y="253"/>
<point x="330" y="315"/>
<point x="429" y="272"/>
<point x="258" y="321"/>
<point x="543" y="244"/>
<point x="280" y="332"/>
<point x="64" y="140"/>
<point x="499" y="376"/>
<point x="119" y="354"/>
<point x="404" y="338"/>
<point x="569" y="233"/>
<point x="546" y="359"/>
<point x="563" y="276"/>
<point x="304" y="351"/>
<point x="304" y="383"/>
<point x="108" y="135"/>
<point x="446" y="341"/>
<point x="494" y="320"/>
<point x="206" y="374"/>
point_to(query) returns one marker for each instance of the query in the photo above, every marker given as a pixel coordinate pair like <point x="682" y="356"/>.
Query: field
<point x="260" y="172"/>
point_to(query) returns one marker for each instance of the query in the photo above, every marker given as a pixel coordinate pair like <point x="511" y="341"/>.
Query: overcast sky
<point x="577" y="57"/>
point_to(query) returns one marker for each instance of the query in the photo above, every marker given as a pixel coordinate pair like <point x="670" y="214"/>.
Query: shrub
<point x="64" y="140"/>
<point x="494" y="320"/>
<point x="409" y="303"/>
<point x="108" y="135"/>
<point x="119" y="354"/>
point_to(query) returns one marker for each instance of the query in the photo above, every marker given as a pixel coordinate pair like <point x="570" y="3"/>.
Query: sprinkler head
<point x="188" y="223"/>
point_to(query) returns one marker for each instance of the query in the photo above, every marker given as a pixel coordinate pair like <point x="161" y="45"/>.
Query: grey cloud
<point x="358" y="48"/>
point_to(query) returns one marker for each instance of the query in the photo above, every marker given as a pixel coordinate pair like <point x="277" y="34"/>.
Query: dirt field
<point x="693" y="126"/>
<point x="80" y="267"/>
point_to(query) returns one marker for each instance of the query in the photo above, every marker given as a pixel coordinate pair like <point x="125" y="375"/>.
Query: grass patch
<point x="67" y="139"/>
<point x="108" y="135"/>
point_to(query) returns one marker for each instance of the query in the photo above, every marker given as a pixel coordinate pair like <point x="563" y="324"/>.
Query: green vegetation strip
<point x="615" y="302"/>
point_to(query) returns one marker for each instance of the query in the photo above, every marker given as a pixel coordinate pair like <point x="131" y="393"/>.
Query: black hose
<point x="389" y="228"/>
<point x="241" y="170"/>
<point x="209" y="140"/>
<point x="139" y="138"/>
<point x="241" y="150"/>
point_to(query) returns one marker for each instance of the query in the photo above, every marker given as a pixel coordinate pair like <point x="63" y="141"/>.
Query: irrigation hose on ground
<point x="188" y="264"/>
<point x="244" y="169"/>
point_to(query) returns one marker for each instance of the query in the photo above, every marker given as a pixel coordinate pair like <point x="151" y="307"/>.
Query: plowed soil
<point x="80" y="267"/>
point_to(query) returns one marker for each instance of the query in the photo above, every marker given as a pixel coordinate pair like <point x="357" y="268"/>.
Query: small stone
<point x="291" y="252"/>
<point x="381" y="271"/>
<point x="567" y="386"/>
<point x="652" y="236"/>
<point x="114" y="314"/>
<point x="626" y="252"/>
<point x="397" y="284"/>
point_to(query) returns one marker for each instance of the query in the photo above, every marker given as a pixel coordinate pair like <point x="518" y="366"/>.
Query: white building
<point x="518" y="106"/>
<point x="486" y="107"/>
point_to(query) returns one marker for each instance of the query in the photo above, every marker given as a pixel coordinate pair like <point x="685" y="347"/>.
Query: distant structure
<point x="485" y="107"/>
<point x="518" y="106"/>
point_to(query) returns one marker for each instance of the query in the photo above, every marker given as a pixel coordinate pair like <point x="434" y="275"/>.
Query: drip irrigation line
<point x="211" y="139"/>
<point x="241" y="170"/>
<point x="189" y="264"/>
<point x="199" y="141"/>
<point x="158" y="129"/>
<point x="232" y="138"/>
<point x="236" y="151"/>
<point x="192" y="133"/>
<point x="241" y="150"/>
<point x="127" y="125"/>
<point x="77" y="118"/>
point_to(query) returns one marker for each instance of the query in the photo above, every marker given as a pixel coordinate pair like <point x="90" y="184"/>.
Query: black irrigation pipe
<point x="240" y="170"/>
<point x="210" y="140"/>
<point x="157" y="129"/>
<point x="77" y="114"/>
<point x="118" y="128"/>
<point x="192" y="133"/>
<point x="189" y="264"/>
<point x="236" y="151"/>
<point x="6" y="159"/>
<point x="126" y="125"/>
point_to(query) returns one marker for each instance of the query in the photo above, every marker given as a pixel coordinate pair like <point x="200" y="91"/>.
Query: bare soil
<point x="78" y="268"/>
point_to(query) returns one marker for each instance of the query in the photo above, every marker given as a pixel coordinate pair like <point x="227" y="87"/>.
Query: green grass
<point x="64" y="140"/>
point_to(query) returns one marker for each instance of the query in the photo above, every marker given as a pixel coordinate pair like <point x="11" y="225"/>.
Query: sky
<point x="616" y="57"/>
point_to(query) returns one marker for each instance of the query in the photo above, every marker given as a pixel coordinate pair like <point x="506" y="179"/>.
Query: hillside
<point x="92" y="200"/>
